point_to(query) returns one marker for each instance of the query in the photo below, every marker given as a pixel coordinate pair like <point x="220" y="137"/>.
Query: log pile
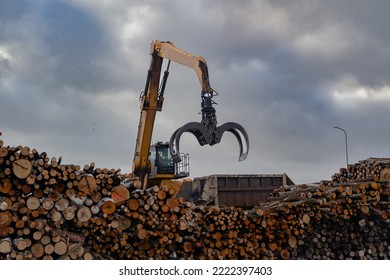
<point x="345" y="221"/>
<point x="53" y="210"/>
<point x="364" y="170"/>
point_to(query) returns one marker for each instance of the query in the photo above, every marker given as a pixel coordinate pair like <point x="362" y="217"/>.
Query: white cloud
<point x="4" y="55"/>
<point x="350" y="92"/>
<point x="328" y="41"/>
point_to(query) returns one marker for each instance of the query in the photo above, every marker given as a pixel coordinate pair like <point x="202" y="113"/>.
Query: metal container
<point x="239" y="190"/>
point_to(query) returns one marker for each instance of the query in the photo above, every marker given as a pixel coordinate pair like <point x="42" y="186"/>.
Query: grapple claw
<point x="207" y="131"/>
<point x="206" y="136"/>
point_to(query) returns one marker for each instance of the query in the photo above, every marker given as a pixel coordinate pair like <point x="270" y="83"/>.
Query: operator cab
<point x="162" y="164"/>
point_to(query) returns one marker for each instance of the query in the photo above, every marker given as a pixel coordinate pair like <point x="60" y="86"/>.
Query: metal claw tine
<point x="234" y="131"/>
<point x="235" y="128"/>
<point x="175" y="155"/>
<point x="197" y="129"/>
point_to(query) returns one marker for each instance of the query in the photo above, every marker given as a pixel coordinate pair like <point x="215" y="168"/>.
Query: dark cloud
<point x="288" y="71"/>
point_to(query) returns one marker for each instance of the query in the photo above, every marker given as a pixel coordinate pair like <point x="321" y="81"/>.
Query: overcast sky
<point x="71" y="73"/>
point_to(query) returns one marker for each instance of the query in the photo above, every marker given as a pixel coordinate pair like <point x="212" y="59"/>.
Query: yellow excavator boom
<point x="152" y="99"/>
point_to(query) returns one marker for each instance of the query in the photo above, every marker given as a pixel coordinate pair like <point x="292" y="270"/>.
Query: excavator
<point x="163" y="162"/>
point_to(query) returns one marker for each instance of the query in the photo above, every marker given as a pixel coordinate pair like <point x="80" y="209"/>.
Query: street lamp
<point x="346" y="142"/>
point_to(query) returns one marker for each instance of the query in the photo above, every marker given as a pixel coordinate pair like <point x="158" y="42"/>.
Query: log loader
<point x="163" y="162"/>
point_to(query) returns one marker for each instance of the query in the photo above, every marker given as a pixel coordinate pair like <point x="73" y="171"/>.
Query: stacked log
<point x="53" y="210"/>
<point x="364" y="170"/>
<point x="346" y="221"/>
<point x="46" y="207"/>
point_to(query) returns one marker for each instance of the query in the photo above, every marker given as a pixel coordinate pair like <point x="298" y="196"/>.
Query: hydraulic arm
<point x="152" y="98"/>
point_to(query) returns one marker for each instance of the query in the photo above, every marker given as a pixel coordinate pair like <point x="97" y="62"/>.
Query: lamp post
<point x="346" y="142"/>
